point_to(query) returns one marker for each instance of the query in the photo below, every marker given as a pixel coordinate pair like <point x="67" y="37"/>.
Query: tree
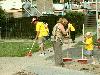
<point x="2" y="16"/>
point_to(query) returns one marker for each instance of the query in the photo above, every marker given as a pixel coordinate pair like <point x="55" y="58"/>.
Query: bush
<point x="77" y="18"/>
<point x="22" y="27"/>
<point x="2" y="16"/>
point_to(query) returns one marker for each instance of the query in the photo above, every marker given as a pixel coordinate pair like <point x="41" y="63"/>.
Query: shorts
<point x="88" y="52"/>
<point x="41" y="41"/>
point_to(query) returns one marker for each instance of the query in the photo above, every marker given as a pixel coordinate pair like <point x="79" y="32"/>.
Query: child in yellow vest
<point x="72" y="31"/>
<point x="88" y="41"/>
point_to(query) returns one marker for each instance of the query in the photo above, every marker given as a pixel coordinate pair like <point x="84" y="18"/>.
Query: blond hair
<point x="62" y="20"/>
<point x="88" y="34"/>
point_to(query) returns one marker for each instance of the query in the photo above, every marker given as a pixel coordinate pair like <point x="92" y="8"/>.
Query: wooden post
<point x="57" y="46"/>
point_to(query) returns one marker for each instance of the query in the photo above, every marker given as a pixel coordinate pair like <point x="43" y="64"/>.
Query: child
<point x="71" y="29"/>
<point x="88" y="41"/>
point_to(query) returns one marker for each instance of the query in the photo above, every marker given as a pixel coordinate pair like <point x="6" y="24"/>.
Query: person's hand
<point x="36" y="38"/>
<point x="67" y="36"/>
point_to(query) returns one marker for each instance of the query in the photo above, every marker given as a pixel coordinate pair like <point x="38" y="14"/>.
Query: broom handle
<point x="68" y="48"/>
<point x="68" y="45"/>
<point x="33" y="43"/>
<point x="83" y="40"/>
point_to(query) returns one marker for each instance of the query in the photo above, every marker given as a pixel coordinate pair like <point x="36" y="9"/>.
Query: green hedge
<point x="77" y="18"/>
<point x="22" y="27"/>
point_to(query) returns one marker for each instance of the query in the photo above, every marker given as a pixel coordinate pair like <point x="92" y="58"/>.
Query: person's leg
<point x="41" y="45"/>
<point x="72" y="34"/>
<point x="92" y="57"/>
<point x="85" y="54"/>
<point x="58" y="53"/>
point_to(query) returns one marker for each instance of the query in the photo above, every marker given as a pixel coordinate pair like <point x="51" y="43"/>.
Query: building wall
<point x="44" y="6"/>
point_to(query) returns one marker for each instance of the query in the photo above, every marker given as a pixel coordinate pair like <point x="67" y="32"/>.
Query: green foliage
<point x="77" y="18"/>
<point x="22" y="27"/>
<point x="2" y="16"/>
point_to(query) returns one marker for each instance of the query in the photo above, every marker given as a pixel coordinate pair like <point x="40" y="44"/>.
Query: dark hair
<point x="36" y="18"/>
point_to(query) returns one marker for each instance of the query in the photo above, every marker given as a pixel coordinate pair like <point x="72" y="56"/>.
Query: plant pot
<point x="82" y="61"/>
<point x="67" y="59"/>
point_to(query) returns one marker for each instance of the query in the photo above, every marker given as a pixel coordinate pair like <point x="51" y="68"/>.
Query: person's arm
<point x="37" y="31"/>
<point x="61" y="27"/>
<point x="69" y="27"/>
<point x="37" y="34"/>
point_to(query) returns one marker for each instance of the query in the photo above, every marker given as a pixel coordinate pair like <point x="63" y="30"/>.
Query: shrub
<point x="77" y="18"/>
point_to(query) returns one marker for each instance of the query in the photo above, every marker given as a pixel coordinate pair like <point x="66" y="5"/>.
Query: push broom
<point x="67" y="59"/>
<point x="82" y="60"/>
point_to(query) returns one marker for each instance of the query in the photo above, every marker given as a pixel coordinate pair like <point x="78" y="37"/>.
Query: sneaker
<point x="42" y="54"/>
<point x="50" y="51"/>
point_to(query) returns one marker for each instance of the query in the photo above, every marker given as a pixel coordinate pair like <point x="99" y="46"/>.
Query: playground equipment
<point x="82" y="60"/>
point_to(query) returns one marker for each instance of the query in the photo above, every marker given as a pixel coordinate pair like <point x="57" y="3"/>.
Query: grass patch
<point x="18" y="49"/>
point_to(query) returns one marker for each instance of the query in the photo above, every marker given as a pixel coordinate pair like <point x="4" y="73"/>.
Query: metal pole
<point x="0" y="33"/>
<point x="83" y="40"/>
<point x="97" y="18"/>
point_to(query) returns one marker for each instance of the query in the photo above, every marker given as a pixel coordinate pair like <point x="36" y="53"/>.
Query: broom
<point x="29" y="53"/>
<point x="67" y="59"/>
<point x="82" y="60"/>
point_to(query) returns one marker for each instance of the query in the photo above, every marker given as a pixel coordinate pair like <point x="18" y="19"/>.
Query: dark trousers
<point x="72" y="35"/>
<point x="57" y="46"/>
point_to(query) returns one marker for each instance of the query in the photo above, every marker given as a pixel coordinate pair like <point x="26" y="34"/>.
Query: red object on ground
<point x="82" y="61"/>
<point x="29" y="53"/>
<point x="67" y="59"/>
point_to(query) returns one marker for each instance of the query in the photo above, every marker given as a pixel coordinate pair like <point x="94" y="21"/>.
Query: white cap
<point x="33" y="19"/>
